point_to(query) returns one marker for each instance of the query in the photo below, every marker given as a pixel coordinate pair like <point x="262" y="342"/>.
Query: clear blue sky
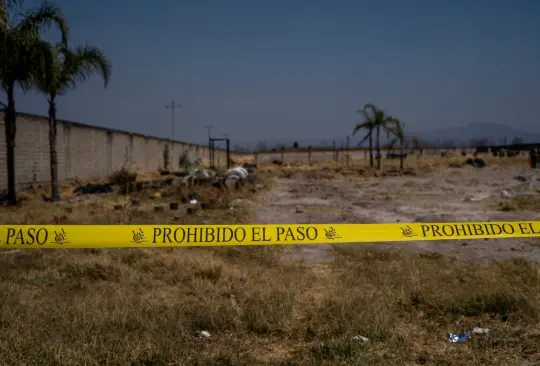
<point x="273" y="69"/>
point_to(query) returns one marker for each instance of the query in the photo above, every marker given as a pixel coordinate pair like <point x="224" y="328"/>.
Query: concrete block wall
<point x="89" y="152"/>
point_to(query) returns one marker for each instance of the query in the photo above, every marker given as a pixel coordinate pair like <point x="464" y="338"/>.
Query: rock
<point x="118" y="207"/>
<point x="173" y="206"/>
<point x="480" y="330"/>
<point x="299" y="209"/>
<point x="520" y="178"/>
<point x="360" y="338"/>
<point x="159" y="208"/>
<point x="505" y="194"/>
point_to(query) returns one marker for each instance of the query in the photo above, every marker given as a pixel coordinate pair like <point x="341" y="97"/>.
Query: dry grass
<point x="423" y="164"/>
<point x="520" y="203"/>
<point x="148" y="306"/>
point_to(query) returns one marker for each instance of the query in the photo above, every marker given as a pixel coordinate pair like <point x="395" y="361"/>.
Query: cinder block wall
<point x="89" y="152"/>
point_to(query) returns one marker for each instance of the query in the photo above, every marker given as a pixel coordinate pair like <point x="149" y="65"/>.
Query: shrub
<point x="184" y="162"/>
<point x="124" y="178"/>
<point x="166" y="157"/>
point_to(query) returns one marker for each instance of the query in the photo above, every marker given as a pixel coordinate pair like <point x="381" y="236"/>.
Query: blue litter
<point x="458" y="338"/>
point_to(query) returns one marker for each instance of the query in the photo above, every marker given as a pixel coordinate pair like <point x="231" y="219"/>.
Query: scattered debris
<point x="204" y="334"/>
<point x="200" y="176"/>
<point x="238" y="171"/>
<point x="232" y="182"/>
<point x="92" y="188"/>
<point x="156" y="195"/>
<point x="173" y="206"/>
<point x="118" y="207"/>
<point x="458" y="338"/>
<point x="299" y="209"/>
<point x="135" y="203"/>
<point x="159" y="208"/>
<point x="505" y="194"/>
<point x="520" y="178"/>
<point x="466" y="336"/>
<point x="476" y="163"/>
<point x="480" y="330"/>
<point x="250" y="167"/>
<point x="361" y="338"/>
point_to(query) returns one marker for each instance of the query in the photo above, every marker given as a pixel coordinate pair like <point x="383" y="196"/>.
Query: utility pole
<point x="209" y="128"/>
<point x="172" y="107"/>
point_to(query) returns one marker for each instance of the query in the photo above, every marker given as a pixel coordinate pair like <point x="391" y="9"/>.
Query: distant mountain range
<point x="494" y="133"/>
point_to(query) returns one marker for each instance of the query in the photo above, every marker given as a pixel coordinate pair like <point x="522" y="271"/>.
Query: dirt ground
<point x="445" y="195"/>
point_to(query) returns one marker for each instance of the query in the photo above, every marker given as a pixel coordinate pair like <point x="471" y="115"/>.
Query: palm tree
<point x="21" y="51"/>
<point x="376" y="120"/>
<point x="368" y="124"/>
<point x="396" y="128"/>
<point x="5" y="5"/>
<point x="68" y="67"/>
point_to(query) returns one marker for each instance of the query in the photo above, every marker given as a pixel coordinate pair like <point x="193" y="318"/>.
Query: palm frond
<point x="35" y="21"/>
<point x="66" y="67"/>
<point x="83" y="62"/>
<point x="362" y="125"/>
<point x="370" y="107"/>
<point x="6" y="7"/>
<point x="39" y="54"/>
<point x="395" y="127"/>
<point x="365" y="137"/>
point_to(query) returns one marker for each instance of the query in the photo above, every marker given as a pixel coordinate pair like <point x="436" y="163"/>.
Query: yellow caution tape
<point x="136" y="236"/>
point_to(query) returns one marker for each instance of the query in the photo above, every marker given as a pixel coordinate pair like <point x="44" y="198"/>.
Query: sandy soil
<point x="459" y="194"/>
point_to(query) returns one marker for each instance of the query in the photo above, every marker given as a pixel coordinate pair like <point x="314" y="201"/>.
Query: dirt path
<point x="466" y="194"/>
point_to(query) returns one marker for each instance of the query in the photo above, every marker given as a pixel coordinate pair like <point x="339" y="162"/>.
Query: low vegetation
<point x="520" y="203"/>
<point x="148" y="307"/>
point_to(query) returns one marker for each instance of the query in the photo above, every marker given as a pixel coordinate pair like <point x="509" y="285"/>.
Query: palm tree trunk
<point x="370" y="148"/>
<point x="378" y="148"/>
<point x="10" y="119"/>
<point x="55" y="194"/>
